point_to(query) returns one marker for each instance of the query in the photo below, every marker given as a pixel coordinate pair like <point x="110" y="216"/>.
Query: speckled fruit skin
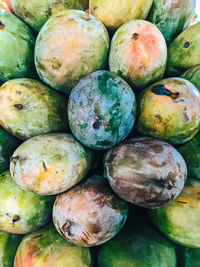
<point x="140" y="246"/>
<point x="146" y="172"/>
<point x="169" y="110"/>
<point x="22" y="212"/>
<point x="138" y="53"/>
<point x="171" y="17"/>
<point x="8" y="246"/>
<point x="115" y="13"/>
<point x="47" y="248"/>
<point x="16" y="48"/>
<point x="50" y="164"/>
<point x="101" y="110"/>
<point x="89" y="214"/>
<point x="193" y="75"/>
<point x="184" y="51"/>
<point x="8" y="144"/>
<point x="29" y="108"/>
<point x="70" y="46"/>
<point x="36" y="13"/>
<point x="180" y="220"/>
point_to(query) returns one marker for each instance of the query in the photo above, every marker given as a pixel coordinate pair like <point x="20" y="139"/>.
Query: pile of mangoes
<point x="99" y="133"/>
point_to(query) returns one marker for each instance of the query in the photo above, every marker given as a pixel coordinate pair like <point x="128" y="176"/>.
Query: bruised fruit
<point x="8" y="246"/>
<point x="193" y="75"/>
<point x="16" y="48"/>
<point x="8" y="144"/>
<point x="21" y="211"/>
<point x="29" y="108"/>
<point x="184" y="51"/>
<point x="171" y="17"/>
<point x="138" y="246"/>
<point x="47" y="248"/>
<point x="114" y="13"/>
<point x="180" y="220"/>
<point x="146" y="172"/>
<point x="50" y="164"/>
<point x="89" y="214"/>
<point x="36" y="13"/>
<point x="138" y="53"/>
<point x="169" y="110"/>
<point x="70" y="46"/>
<point x="101" y="110"/>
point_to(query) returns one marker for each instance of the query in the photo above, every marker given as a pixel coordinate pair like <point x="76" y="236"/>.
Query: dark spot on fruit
<point x="66" y="228"/>
<point x="19" y="106"/>
<point x="182" y="202"/>
<point x="28" y="15"/>
<point x="158" y="117"/>
<point x="56" y="65"/>
<point x="186" y="118"/>
<point x="87" y="14"/>
<point x="95" y="7"/>
<point x="15" y="218"/>
<point x="2" y="26"/>
<point x="198" y="193"/>
<point x="96" y="228"/>
<point x="186" y="45"/>
<point x="44" y="166"/>
<point x="160" y="89"/>
<point x="135" y="36"/>
<point x="14" y="159"/>
<point x="168" y="184"/>
<point x="37" y="236"/>
<point x="97" y="123"/>
<point x="18" y="92"/>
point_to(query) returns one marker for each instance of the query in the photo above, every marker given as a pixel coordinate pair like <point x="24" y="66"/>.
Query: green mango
<point x="184" y="52"/>
<point x="16" y="48"/>
<point x="193" y="75"/>
<point x="171" y="17"/>
<point x="35" y="13"/>
<point x="188" y="257"/>
<point x="8" y="247"/>
<point x="180" y="220"/>
<point x="29" y="108"/>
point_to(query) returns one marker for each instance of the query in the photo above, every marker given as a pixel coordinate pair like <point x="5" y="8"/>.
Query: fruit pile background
<point x="100" y="134"/>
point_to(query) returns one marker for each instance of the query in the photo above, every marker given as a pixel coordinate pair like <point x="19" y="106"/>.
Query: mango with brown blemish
<point x="180" y="220"/>
<point x="50" y="164"/>
<point x="89" y="214"/>
<point x="146" y="172"/>
<point x="169" y="110"/>
<point x="138" y="53"/>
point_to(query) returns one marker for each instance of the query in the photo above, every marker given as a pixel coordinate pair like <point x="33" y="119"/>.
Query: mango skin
<point x="137" y="246"/>
<point x="101" y="110"/>
<point x="180" y="220"/>
<point x="50" y="164"/>
<point x="82" y="44"/>
<point x="36" y="13"/>
<point x="169" y="110"/>
<point x="115" y="13"/>
<point x="46" y="247"/>
<point x="146" y="172"/>
<point x="8" y="144"/>
<point x="138" y="53"/>
<point x="16" y="48"/>
<point x="184" y="52"/>
<point x="193" y="75"/>
<point x="8" y="247"/>
<point x="171" y="17"/>
<point x="89" y="214"/>
<point x="29" y="108"/>
<point x="22" y="212"/>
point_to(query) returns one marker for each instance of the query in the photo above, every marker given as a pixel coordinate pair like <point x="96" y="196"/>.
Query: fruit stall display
<point x="99" y="133"/>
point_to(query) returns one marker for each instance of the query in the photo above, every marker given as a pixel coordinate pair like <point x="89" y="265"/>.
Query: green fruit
<point x="21" y="211"/>
<point x="138" y="246"/>
<point x="180" y="220"/>
<point x="101" y="110"/>
<point x="184" y="52"/>
<point x="146" y="172"/>
<point x="193" y="75"/>
<point x="8" y="144"/>
<point x="115" y="13"/>
<point x="30" y="108"/>
<point x="16" y="48"/>
<point x="8" y="246"/>
<point x="188" y="257"/>
<point x="171" y="17"/>
<point x="191" y="154"/>
<point x="50" y="164"/>
<point x="138" y="53"/>
<point x="37" y="12"/>
<point x="70" y="46"/>
<point x="89" y="214"/>
<point x="169" y="110"/>
<point x="47" y="248"/>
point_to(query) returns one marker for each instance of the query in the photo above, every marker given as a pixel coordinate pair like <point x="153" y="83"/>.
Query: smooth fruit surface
<point x="193" y="75"/>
